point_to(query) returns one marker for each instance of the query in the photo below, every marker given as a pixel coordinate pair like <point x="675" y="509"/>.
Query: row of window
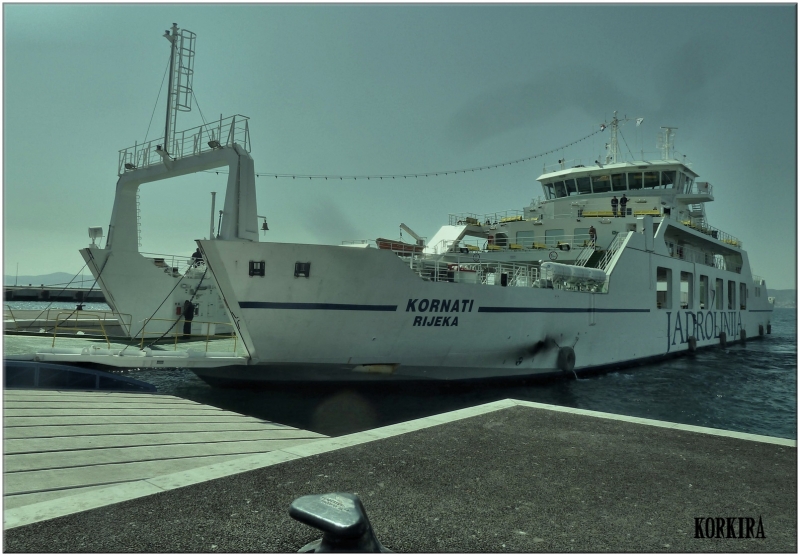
<point x="619" y="182"/>
<point x="711" y="296"/>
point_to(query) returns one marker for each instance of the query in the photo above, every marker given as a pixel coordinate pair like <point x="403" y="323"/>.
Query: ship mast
<point x="613" y="149"/>
<point x="179" y="90"/>
<point x="171" y="38"/>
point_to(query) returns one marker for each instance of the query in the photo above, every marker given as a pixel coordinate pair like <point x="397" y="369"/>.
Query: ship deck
<point x="508" y="476"/>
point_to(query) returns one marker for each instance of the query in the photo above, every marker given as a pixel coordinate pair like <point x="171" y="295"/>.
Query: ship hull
<point x="364" y="314"/>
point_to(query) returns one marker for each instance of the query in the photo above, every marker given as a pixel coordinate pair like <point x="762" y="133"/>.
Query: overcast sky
<point x="391" y="89"/>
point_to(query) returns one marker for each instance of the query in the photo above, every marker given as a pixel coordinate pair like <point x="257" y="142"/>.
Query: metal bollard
<point x="342" y="519"/>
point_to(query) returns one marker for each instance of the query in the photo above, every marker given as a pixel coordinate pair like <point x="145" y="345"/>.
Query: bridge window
<point x="668" y="178"/>
<point x="651" y="180"/>
<point x="663" y="288"/>
<point x="548" y="190"/>
<point x="618" y="182"/>
<point x="635" y="180"/>
<point x="601" y="184"/>
<point x="570" y="184"/>
<point x="560" y="190"/>
<point x="584" y="186"/>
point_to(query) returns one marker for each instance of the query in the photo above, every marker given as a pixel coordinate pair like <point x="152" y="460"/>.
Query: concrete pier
<point x="52" y="293"/>
<point x="504" y="477"/>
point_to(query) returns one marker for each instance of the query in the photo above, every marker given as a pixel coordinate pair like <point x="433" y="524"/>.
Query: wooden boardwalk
<point x="59" y="443"/>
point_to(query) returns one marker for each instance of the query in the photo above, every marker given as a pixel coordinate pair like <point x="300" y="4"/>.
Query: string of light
<point x="416" y="174"/>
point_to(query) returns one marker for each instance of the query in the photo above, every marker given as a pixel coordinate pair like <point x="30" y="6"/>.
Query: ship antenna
<point x="667" y="141"/>
<point x="611" y="157"/>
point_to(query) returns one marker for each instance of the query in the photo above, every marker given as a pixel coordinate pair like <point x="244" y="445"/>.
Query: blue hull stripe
<point x="315" y="306"/>
<point x="551" y="310"/>
<point x="759" y="310"/>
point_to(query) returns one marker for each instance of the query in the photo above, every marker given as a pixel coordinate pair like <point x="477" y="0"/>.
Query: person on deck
<point x="197" y="258"/>
<point x="188" y="315"/>
<point x="614" y="204"/>
<point x="623" y="205"/>
<point x="592" y="236"/>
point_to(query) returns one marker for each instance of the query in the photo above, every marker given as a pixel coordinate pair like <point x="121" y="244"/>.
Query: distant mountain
<point x="54" y="279"/>
<point x="784" y="299"/>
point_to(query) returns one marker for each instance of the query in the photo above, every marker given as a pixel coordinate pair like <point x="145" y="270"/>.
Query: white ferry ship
<point x="569" y="284"/>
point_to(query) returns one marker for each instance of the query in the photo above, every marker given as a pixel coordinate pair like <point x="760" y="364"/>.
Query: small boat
<point x="399" y="247"/>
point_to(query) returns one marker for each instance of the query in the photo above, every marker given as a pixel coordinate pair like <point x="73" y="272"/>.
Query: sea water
<point x="747" y="388"/>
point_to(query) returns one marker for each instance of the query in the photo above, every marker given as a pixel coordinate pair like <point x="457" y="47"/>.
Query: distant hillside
<point x="784" y="299"/>
<point x="54" y="279"/>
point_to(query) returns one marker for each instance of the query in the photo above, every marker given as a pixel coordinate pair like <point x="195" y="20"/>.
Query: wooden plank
<point x="139" y="428"/>
<point x="133" y="454"/>
<point x="60" y="443"/>
<point x="118" y="411"/>
<point x="95" y="475"/>
<point x="37" y="420"/>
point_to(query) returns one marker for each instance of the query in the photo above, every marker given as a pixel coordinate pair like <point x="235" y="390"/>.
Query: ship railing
<point x="641" y="156"/>
<point x="214" y="135"/>
<point x="758" y="280"/>
<point x="177" y="264"/>
<point x="466" y="270"/>
<point x="8" y="312"/>
<point x="47" y="318"/>
<point x="72" y="322"/>
<point x="692" y="255"/>
<point x="701" y="188"/>
<point x="565" y="242"/>
<point x="208" y="332"/>
<point x="715" y="233"/>
<point x="490" y="218"/>
<point x="616" y="245"/>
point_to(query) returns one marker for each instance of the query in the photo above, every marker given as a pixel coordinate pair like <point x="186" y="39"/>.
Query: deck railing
<point x="207" y="137"/>
<point x="72" y="322"/>
<point x="489" y="218"/>
<point x="715" y="233"/>
<point x="176" y="332"/>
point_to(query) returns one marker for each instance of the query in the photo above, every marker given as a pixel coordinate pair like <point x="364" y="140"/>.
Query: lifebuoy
<point x="566" y="359"/>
